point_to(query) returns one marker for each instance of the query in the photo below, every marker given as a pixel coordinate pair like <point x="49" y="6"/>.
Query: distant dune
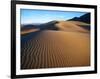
<point x="72" y="26"/>
<point x="29" y="31"/>
<point x="56" y="44"/>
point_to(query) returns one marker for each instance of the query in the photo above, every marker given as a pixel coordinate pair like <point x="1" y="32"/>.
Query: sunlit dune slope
<point x="28" y="31"/>
<point x="50" y="48"/>
<point x="72" y="26"/>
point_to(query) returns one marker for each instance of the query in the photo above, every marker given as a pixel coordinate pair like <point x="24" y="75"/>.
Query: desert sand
<point x="29" y="31"/>
<point x="69" y="46"/>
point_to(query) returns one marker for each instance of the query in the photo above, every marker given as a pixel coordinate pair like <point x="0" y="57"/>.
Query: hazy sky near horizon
<point x="29" y="16"/>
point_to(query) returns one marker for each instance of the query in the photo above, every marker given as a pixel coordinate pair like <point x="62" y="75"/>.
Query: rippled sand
<point x="50" y="48"/>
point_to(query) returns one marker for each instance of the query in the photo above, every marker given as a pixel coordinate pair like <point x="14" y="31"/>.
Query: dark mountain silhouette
<point x="84" y="18"/>
<point x="45" y="26"/>
<point x="28" y="27"/>
<point x="49" y="26"/>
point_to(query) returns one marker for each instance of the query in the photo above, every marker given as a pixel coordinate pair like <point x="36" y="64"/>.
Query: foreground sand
<point x="49" y="49"/>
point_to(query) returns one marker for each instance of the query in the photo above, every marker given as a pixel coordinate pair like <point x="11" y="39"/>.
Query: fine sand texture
<point x="69" y="46"/>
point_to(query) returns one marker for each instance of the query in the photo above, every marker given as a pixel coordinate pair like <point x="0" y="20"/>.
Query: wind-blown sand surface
<point x="29" y="31"/>
<point x="72" y="26"/>
<point x="50" y="48"/>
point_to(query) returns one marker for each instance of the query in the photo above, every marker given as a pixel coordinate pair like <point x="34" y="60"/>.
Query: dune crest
<point x="71" y="26"/>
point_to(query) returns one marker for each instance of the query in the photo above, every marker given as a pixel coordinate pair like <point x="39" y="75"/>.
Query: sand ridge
<point x="50" y="49"/>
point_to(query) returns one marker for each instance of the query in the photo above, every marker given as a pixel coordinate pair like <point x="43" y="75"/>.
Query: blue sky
<point x="29" y="16"/>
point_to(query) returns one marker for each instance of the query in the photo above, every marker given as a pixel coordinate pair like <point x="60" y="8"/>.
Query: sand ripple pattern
<point x="50" y="49"/>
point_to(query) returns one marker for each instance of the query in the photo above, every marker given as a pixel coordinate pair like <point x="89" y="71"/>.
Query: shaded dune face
<point x="50" y="49"/>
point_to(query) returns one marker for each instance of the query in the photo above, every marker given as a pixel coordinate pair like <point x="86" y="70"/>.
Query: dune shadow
<point x="86" y="27"/>
<point x="27" y="37"/>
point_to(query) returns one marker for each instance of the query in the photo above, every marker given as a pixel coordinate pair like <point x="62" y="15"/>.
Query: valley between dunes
<point x="68" y="46"/>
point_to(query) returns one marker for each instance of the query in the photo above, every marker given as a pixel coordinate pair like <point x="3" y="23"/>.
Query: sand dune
<point x="79" y="23"/>
<point x="50" y="48"/>
<point x="57" y="25"/>
<point x="29" y="31"/>
<point x="72" y="26"/>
